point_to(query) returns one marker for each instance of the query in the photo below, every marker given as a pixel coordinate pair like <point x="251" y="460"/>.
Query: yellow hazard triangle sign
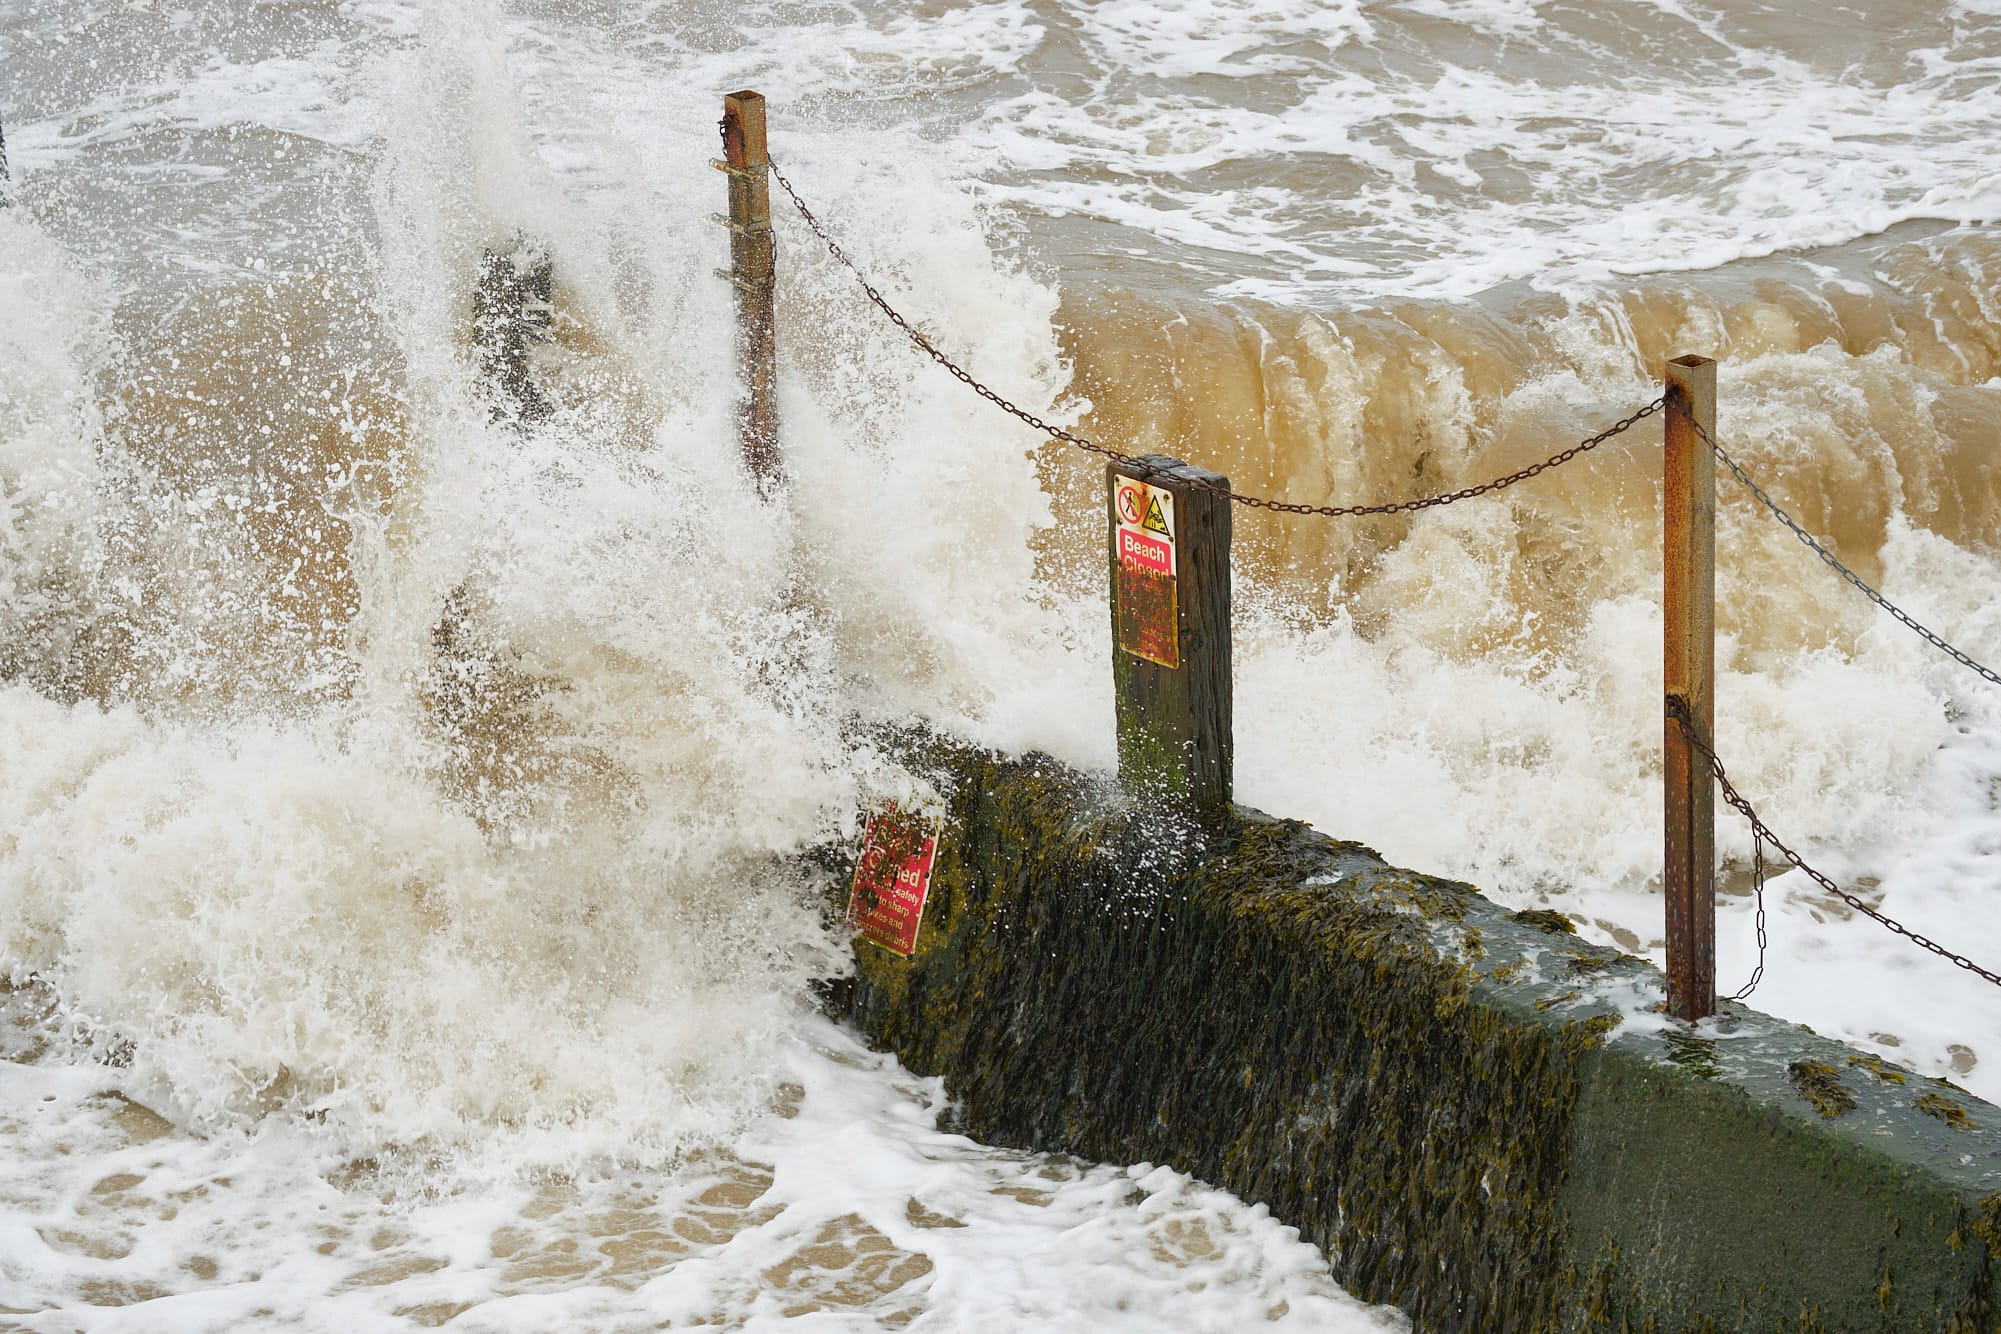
<point x="1154" y="521"/>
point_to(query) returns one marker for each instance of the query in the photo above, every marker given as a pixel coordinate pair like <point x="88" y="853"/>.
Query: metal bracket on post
<point x="1688" y="535"/>
<point x="737" y="227"/>
<point x="1170" y="567"/>
<point x="736" y="282"/>
<point x="752" y="272"/>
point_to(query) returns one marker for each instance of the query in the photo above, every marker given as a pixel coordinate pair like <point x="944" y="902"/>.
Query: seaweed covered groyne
<point x="1481" y="1118"/>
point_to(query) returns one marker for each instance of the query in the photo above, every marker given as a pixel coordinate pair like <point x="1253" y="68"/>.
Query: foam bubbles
<point x="49" y="475"/>
<point x="403" y="799"/>
<point x="841" y="1202"/>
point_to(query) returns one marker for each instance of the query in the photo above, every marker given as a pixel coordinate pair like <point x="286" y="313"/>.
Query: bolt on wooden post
<point x="1170" y="565"/>
<point x="1689" y="601"/>
<point x="753" y="269"/>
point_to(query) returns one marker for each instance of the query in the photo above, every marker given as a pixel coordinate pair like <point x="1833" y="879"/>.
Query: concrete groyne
<point x="1481" y="1118"/>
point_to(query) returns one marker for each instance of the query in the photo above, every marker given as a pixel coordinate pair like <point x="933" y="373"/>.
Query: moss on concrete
<point x="1944" y="1109"/>
<point x="1820" y="1084"/>
<point x="1546" y="919"/>
<point x="1879" y="1067"/>
<point x="1473" y="1112"/>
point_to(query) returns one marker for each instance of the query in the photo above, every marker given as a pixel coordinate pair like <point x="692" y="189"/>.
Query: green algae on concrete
<point x="1944" y="1109"/>
<point x="1820" y="1084"/>
<point x="1477" y="1115"/>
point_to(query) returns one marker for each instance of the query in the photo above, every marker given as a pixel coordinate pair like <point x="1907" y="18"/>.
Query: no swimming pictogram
<point x="1140" y="507"/>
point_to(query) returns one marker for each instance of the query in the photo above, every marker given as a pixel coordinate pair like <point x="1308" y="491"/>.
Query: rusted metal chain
<point x="1814" y="545"/>
<point x="1757" y="892"/>
<point x="930" y="349"/>
<point x="1762" y="832"/>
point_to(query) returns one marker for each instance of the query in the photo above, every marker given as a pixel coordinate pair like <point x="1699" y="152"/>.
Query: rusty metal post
<point x="1689" y="559"/>
<point x="1170" y="566"/>
<point x="753" y="266"/>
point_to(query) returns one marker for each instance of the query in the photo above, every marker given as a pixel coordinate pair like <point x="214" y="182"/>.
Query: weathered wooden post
<point x="753" y="267"/>
<point x="512" y="309"/>
<point x="1689" y="601"/>
<point x="6" y="178"/>
<point x="1170" y="559"/>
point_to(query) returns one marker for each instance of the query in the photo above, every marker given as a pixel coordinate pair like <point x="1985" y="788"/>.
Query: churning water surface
<point x="396" y="807"/>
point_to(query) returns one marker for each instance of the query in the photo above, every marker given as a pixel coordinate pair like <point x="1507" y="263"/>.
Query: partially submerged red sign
<point x="892" y="879"/>
<point x="1144" y="569"/>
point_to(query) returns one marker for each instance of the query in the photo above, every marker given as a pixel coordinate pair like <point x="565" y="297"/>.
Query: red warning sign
<point x="893" y="878"/>
<point x="1144" y="571"/>
<point x="1146" y="552"/>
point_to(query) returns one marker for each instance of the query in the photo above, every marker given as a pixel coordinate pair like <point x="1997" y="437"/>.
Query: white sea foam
<point x="845" y="1209"/>
<point x="50" y="344"/>
<point x="546" y="934"/>
<point x="550" y="936"/>
<point x="1392" y="168"/>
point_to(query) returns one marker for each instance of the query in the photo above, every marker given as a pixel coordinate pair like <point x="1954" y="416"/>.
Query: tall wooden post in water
<point x="753" y="268"/>
<point x="1170" y="559"/>
<point x="1689" y="559"/>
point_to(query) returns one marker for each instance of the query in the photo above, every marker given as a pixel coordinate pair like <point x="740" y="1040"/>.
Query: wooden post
<point x="6" y="177"/>
<point x="1170" y="565"/>
<point x="512" y="309"/>
<point x="753" y="266"/>
<point x="1689" y="602"/>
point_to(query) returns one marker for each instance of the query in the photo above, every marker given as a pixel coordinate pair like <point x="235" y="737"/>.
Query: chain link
<point x="1677" y="710"/>
<point x="1758" y="892"/>
<point x="1556" y="460"/>
<point x="1813" y="544"/>
<point x="1141" y="466"/>
<point x="1761" y="833"/>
